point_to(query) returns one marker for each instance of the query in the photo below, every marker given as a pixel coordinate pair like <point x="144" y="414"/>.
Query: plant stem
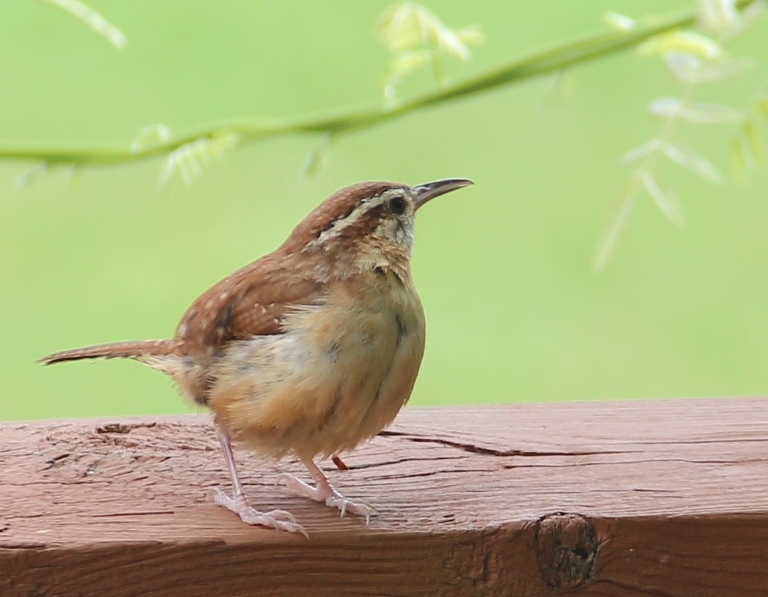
<point x="344" y="121"/>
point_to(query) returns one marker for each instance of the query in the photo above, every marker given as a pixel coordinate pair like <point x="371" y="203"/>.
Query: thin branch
<point x="335" y="124"/>
<point x="94" y="20"/>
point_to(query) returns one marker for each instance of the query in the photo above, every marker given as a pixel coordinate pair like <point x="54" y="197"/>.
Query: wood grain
<point x="660" y="498"/>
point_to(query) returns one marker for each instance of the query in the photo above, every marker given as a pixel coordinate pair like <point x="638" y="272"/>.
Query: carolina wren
<point x="309" y="350"/>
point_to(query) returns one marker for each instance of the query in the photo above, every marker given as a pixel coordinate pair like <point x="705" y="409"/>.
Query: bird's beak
<point x="430" y="190"/>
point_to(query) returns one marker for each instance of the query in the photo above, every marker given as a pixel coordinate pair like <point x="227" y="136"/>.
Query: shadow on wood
<point x="666" y="498"/>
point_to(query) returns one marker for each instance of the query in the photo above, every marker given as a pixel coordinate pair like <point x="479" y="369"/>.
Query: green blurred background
<point x="514" y="311"/>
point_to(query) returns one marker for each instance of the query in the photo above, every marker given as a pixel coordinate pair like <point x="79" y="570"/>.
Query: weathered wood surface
<point x="663" y="498"/>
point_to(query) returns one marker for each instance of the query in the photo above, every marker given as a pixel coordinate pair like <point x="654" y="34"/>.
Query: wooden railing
<point x="663" y="498"/>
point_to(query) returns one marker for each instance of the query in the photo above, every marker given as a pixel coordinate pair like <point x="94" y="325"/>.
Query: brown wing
<point x="253" y="301"/>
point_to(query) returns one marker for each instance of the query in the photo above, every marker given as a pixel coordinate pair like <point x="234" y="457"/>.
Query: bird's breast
<point x="338" y="374"/>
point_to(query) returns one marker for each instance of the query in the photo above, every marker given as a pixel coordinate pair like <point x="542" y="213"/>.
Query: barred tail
<point x="128" y="350"/>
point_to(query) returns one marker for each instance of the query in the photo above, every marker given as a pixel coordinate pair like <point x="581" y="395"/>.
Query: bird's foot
<point x="274" y="519"/>
<point x="325" y="493"/>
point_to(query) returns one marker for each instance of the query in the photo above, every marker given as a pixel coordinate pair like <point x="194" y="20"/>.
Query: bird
<point x="309" y="350"/>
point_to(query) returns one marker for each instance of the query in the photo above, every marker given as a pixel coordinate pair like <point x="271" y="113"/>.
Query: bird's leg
<point x="340" y="464"/>
<point x="238" y="503"/>
<point x="323" y="491"/>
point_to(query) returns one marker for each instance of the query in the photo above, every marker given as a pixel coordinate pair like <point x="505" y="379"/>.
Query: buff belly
<point x="319" y="388"/>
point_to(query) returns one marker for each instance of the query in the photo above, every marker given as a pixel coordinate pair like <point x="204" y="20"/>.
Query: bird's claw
<point x="275" y="519"/>
<point x="325" y="493"/>
<point x="345" y="505"/>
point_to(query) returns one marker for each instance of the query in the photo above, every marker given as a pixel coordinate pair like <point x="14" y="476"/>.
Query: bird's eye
<point x="396" y="205"/>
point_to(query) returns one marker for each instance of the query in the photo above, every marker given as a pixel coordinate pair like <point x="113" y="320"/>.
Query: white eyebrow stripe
<point x="341" y="224"/>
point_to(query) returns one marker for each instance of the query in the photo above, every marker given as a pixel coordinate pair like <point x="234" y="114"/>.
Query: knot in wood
<point x="566" y="548"/>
